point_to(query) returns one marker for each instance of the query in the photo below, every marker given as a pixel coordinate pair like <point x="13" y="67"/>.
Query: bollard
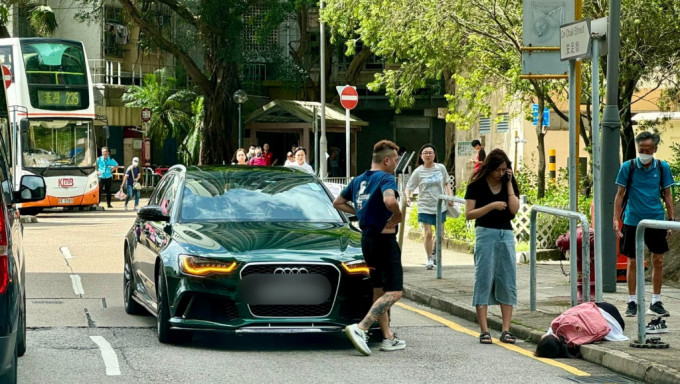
<point x="439" y="230"/>
<point x="552" y="166"/>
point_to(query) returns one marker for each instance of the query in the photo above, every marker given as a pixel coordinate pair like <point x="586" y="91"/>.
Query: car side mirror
<point x="32" y="188"/>
<point x="152" y="213"/>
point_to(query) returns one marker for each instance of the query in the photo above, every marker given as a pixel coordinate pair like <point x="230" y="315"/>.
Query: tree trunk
<point x="450" y="130"/>
<point x="218" y="138"/>
<point x="627" y="134"/>
<point x="4" y="33"/>
<point x="356" y="65"/>
<point x="540" y="135"/>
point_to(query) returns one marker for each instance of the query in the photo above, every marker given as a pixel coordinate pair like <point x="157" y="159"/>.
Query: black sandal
<point x="485" y="338"/>
<point x="508" y="337"/>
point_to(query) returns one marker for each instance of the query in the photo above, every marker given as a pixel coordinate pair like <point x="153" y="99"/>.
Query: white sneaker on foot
<point x="358" y="337"/>
<point x="395" y="344"/>
<point x="430" y="264"/>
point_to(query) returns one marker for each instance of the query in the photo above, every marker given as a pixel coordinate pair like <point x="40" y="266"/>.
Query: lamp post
<point x="240" y="97"/>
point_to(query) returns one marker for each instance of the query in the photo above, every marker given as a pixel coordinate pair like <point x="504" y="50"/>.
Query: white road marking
<point x="66" y="252"/>
<point x="109" y="356"/>
<point x="77" y="285"/>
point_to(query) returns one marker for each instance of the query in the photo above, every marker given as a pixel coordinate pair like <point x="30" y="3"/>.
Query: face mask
<point x="645" y="158"/>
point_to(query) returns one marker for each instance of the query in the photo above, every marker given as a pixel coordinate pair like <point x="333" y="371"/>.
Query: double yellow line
<point x="459" y="328"/>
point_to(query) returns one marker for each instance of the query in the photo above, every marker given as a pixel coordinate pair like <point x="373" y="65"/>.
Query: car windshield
<point x="255" y="195"/>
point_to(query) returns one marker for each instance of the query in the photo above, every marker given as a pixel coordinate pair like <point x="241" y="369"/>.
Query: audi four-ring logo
<point x="290" y="271"/>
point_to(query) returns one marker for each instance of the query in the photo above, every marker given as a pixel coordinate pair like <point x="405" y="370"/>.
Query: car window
<point x="167" y="200"/>
<point x="159" y="191"/>
<point x="253" y="196"/>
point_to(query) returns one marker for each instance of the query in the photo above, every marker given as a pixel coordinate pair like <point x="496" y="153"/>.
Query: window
<point x="253" y="27"/>
<point x="484" y="125"/>
<point x="503" y="125"/>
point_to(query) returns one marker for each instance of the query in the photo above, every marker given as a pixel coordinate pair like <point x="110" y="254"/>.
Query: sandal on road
<point x="508" y="337"/>
<point x="485" y="338"/>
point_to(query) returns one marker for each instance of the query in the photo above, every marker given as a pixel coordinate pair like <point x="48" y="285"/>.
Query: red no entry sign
<point x="349" y="98"/>
<point x="6" y="76"/>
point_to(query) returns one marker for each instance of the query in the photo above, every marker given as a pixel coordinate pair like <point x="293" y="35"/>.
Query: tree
<point x="169" y="106"/>
<point x="472" y="45"/>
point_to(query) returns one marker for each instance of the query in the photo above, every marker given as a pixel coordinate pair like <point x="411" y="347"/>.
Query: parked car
<point x="12" y="292"/>
<point x="244" y="249"/>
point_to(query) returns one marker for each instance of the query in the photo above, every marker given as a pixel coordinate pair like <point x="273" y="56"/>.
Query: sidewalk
<point x="453" y="293"/>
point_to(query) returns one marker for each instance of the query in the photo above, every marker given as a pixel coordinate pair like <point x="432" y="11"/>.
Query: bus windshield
<point x="54" y="63"/>
<point x="59" y="143"/>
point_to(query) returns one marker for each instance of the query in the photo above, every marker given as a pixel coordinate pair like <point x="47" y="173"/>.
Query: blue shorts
<point x="427" y="218"/>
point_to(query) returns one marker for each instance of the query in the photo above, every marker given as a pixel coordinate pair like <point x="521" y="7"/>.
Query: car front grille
<point x="209" y="308"/>
<point x="329" y="271"/>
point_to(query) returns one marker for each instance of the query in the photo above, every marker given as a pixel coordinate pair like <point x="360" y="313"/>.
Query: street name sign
<point x="575" y="40"/>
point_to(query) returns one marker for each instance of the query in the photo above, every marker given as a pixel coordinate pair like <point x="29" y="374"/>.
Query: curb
<point x="617" y="361"/>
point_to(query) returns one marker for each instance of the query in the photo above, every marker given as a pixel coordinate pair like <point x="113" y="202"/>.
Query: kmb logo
<point x="66" y="182"/>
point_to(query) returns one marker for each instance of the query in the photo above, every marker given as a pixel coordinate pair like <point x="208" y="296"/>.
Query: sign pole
<point x="347" y="143"/>
<point x="597" y="179"/>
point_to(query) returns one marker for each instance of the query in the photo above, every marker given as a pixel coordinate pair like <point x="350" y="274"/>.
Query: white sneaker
<point x="657" y="325"/>
<point x="430" y="264"/>
<point x="395" y="344"/>
<point x="358" y="337"/>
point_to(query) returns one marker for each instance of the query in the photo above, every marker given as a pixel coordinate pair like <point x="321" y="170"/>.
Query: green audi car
<point x="244" y="249"/>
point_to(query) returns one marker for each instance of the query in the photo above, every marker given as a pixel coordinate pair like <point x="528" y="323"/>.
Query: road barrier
<point x="572" y="255"/>
<point x="640" y="275"/>
<point x="439" y="226"/>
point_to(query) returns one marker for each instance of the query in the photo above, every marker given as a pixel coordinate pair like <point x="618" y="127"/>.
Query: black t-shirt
<point x="481" y="193"/>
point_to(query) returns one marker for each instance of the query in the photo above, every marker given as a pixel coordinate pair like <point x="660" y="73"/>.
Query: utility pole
<point x="611" y="128"/>
<point x="323" y="143"/>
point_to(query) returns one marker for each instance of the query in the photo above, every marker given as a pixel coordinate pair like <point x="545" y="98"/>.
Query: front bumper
<point x="216" y="304"/>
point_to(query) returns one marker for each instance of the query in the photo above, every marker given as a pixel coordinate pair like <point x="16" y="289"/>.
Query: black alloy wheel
<point x="166" y="335"/>
<point x="21" y="334"/>
<point x="131" y="306"/>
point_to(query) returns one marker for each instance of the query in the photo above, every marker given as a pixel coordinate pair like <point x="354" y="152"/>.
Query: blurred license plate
<point x="66" y="201"/>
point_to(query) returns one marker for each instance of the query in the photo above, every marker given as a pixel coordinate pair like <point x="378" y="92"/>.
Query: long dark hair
<point x="493" y="160"/>
<point x="420" y="153"/>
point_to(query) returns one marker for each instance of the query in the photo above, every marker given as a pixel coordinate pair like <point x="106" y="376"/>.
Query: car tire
<point x="131" y="306"/>
<point x="166" y="335"/>
<point x="21" y="333"/>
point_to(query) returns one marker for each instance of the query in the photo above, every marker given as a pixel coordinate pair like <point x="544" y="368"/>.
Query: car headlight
<point x="201" y="266"/>
<point x="356" y="267"/>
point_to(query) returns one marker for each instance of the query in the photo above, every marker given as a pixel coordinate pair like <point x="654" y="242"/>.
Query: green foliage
<point x="170" y="107"/>
<point x="675" y="163"/>
<point x="42" y="20"/>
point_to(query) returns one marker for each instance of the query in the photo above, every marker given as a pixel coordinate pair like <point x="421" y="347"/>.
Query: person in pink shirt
<point x="258" y="159"/>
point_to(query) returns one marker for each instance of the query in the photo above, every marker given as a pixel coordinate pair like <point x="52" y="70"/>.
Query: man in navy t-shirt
<point x="374" y="195"/>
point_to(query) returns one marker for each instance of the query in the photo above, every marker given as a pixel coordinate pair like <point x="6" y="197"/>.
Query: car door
<point x="144" y="256"/>
<point x="156" y="237"/>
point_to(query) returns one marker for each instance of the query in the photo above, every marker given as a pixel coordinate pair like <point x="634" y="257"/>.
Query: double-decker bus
<point x="52" y="114"/>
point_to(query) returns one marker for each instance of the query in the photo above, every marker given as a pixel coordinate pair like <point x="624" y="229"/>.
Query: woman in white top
<point x="432" y="180"/>
<point x="301" y="161"/>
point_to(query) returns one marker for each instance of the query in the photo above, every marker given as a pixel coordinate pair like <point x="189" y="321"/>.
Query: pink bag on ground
<point x="579" y="325"/>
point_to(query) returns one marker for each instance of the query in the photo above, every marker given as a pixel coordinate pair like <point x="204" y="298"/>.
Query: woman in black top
<point x="492" y="200"/>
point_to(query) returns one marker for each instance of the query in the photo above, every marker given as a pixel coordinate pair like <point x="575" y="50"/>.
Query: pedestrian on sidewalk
<point x="492" y="201"/>
<point x="374" y="195"/>
<point x="481" y="155"/>
<point x="431" y="179"/>
<point x="131" y="183"/>
<point x="642" y="183"/>
<point x="300" y="155"/>
<point x="105" y="165"/>
<point x="259" y="158"/>
<point x="240" y="157"/>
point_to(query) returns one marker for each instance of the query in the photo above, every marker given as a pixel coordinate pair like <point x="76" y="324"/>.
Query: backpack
<point x="579" y="325"/>
<point x="631" y="163"/>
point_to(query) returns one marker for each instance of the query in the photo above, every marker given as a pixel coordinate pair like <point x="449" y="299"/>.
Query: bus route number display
<point x="58" y="99"/>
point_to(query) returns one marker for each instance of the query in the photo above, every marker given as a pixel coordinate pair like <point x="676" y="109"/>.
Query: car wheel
<point x="165" y="334"/>
<point x="21" y="334"/>
<point x="131" y="306"/>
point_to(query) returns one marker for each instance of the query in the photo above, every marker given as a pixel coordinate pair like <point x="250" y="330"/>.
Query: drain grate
<point x="606" y="379"/>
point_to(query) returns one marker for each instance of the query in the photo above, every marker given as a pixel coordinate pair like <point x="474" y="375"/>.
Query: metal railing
<point x="585" y="244"/>
<point x="150" y="179"/>
<point x="439" y="226"/>
<point x="640" y="269"/>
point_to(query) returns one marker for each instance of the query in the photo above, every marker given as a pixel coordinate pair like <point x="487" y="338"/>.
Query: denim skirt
<point x="495" y="269"/>
<point x="428" y="218"/>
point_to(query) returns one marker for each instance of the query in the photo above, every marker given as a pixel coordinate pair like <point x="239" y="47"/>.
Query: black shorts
<point x="383" y="256"/>
<point x="655" y="240"/>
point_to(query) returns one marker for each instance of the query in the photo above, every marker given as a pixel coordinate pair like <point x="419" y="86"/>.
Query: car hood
<point x="269" y="241"/>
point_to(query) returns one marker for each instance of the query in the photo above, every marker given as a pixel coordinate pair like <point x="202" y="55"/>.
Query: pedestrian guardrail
<point x="440" y="230"/>
<point x="585" y="243"/>
<point x="150" y="179"/>
<point x="640" y="274"/>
